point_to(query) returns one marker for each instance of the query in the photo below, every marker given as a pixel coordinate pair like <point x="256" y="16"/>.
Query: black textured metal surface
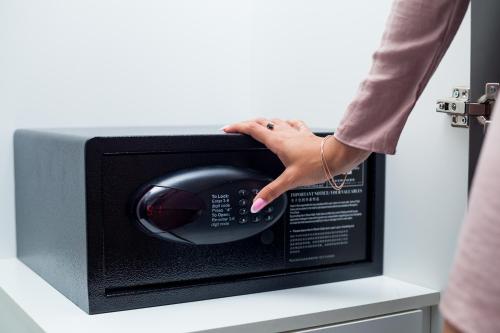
<point x="126" y="267"/>
<point x="50" y="210"/>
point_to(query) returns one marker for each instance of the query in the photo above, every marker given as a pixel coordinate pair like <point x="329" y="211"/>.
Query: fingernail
<point x="223" y="127"/>
<point x="258" y="205"/>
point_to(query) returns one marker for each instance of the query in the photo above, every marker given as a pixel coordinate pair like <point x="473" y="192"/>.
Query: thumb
<point x="273" y="190"/>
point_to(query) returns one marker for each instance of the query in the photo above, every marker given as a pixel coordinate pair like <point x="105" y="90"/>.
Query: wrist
<point x="341" y="158"/>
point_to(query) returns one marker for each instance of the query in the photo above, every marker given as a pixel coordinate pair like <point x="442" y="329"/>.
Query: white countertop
<point x="31" y="304"/>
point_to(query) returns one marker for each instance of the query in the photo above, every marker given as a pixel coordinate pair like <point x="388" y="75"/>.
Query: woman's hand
<point x="299" y="151"/>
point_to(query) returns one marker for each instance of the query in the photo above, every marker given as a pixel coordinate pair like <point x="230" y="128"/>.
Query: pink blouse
<point x="417" y="35"/>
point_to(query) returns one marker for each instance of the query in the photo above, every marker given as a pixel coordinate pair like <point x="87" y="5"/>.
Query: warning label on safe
<point x="327" y="226"/>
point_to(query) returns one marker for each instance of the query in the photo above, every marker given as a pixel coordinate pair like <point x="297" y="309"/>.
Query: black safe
<point x="124" y="218"/>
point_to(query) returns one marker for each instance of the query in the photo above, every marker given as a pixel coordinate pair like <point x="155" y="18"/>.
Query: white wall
<point x="427" y="180"/>
<point x="164" y="62"/>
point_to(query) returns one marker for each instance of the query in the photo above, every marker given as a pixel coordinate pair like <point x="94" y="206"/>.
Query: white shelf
<point x="31" y="304"/>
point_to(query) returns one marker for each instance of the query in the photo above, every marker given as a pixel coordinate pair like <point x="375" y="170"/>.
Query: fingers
<point x="252" y="128"/>
<point x="279" y="123"/>
<point x="262" y="121"/>
<point x="298" y="124"/>
<point x="273" y="190"/>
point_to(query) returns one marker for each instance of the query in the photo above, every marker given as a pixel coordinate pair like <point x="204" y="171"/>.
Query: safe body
<point x="77" y="197"/>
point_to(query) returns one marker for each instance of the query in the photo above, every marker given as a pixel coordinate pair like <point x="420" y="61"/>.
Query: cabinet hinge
<point x="462" y="110"/>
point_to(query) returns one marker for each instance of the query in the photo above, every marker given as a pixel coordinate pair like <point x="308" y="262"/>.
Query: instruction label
<point x="220" y="210"/>
<point x="327" y="226"/>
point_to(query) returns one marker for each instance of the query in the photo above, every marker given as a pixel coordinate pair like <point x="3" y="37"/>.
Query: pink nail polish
<point x="258" y="205"/>
<point x="223" y="127"/>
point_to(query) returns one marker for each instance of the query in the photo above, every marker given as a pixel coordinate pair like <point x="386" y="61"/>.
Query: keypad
<point x="243" y="193"/>
<point x="269" y="209"/>
<point x="256" y="218"/>
<point x="245" y="201"/>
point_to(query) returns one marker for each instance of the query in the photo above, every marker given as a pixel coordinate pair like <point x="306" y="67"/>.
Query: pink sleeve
<point x="417" y="35"/>
<point x="471" y="301"/>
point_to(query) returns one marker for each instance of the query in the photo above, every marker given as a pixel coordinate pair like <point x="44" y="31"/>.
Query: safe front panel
<point x="320" y="228"/>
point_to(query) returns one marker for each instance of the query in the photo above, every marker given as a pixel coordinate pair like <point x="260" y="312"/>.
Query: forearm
<point x="417" y="35"/>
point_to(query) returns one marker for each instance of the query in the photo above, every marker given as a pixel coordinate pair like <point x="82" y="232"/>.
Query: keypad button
<point x="243" y="211"/>
<point x="242" y="220"/>
<point x="268" y="218"/>
<point x="242" y="193"/>
<point x="255" y="191"/>
<point x="256" y="218"/>
<point x="269" y="209"/>
<point x="243" y="202"/>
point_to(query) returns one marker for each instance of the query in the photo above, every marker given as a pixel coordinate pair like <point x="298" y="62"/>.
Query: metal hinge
<point x="462" y="110"/>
